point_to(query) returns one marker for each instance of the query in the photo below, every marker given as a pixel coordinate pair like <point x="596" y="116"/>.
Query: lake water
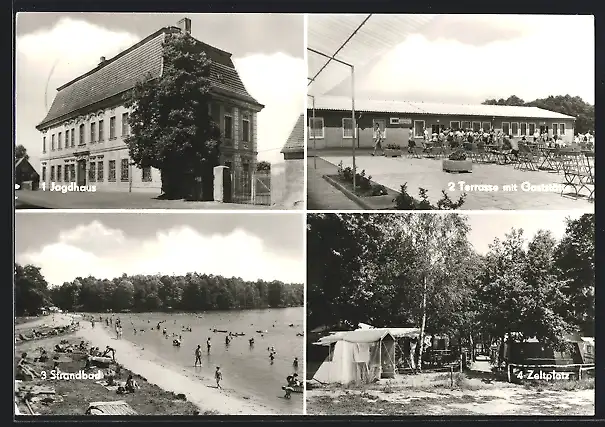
<point x="246" y="369"/>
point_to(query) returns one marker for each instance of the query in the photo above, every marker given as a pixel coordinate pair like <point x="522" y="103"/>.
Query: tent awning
<point x="357" y="336"/>
<point x="355" y="39"/>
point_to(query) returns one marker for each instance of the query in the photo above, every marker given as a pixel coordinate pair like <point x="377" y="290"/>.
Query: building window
<point x="316" y="128"/>
<point x="246" y="128"/>
<point x="487" y="126"/>
<point x="125" y="127"/>
<point x="146" y="174"/>
<point x="523" y="129"/>
<point x="92" y="172"/>
<point x="101" y="131"/>
<point x="347" y="128"/>
<point x="466" y="125"/>
<point x="67" y="138"/>
<point x="112" y="171"/>
<point x="59" y="173"/>
<point x="112" y="128"/>
<point x="506" y="128"/>
<point x="561" y="128"/>
<point x="418" y="128"/>
<point x="555" y="129"/>
<point x="43" y="173"/>
<point x="44" y="144"/>
<point x="476" y="126"/>
<point x="52" y="142"/>
<point x="66" y="173"/>
<point x="52" y="173"/>
<point x="532" y="129"/>
<point x="246" y="168"/>
<point x="124" y="170"/>
<point x="59" y="142"/>
<point x="514" y="129"/>
<point x="73" y="137"/>
<point x="100" y="170"/>
<point x="82" y="137"/>
<point x="93" y="132"/>
<point x="228" y="130"/>
<point x="455" y="125"/>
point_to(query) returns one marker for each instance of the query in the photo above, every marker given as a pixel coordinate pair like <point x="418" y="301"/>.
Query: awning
<point x="355" y="39"/>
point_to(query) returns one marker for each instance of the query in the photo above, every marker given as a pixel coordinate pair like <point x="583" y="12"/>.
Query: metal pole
<point x="314" y="139"/>
<point x="354" y="124"/>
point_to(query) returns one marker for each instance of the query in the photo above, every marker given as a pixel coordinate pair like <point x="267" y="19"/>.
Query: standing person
<point x="426" y="135"/>
<point x="208" y="345"/>
<point x="198" y="355"/>
<point x="295" y="363"/>
<point x="412" y="354"/>
<point x="411" y="141"/>
<point x="378" y="137"/>
<point x="218" y="376"/>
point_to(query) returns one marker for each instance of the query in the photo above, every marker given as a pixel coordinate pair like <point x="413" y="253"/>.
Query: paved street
<point x="114" y="200"/>
<point x="428" y="174"/>
<point x="321" y="195"/>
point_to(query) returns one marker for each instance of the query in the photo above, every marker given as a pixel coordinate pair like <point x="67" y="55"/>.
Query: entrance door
<point x="81" y="172"/>
<point x="543" y="129"/>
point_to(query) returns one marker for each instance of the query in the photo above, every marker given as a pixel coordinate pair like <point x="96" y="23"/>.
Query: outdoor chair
<point x="526" y="159"/>
<point x="578" y="172"/>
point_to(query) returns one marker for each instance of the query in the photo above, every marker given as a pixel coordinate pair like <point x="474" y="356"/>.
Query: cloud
<point x="538" y="57"/>
<point x="103" y="252"/>
<point x="277" y="81"/>
<point x="51" y="57"/>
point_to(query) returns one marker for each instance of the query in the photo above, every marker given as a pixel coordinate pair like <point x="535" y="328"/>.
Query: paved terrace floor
<point x="115" y="200"/>
<point x="321" y="195"/>
<point x="427" y="173"/>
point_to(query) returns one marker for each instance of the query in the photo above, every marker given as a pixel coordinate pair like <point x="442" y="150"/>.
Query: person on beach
<point x="272" y="357"/>
<point x="295" y="363"/>
<point x="198" y="355"/>
<point x="131" y="384"/>
<point x="92" y="323"/>
<point x="109" y="350"/>
<point x="227" y="340"/>
<point x="251" y="341"/>
<point x="208" y="345"/>
<point x="218" y="376"/>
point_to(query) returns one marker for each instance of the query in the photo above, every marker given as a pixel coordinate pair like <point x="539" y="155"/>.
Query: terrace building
<point x="83" y="132"/>
<point x="333" y="124"/>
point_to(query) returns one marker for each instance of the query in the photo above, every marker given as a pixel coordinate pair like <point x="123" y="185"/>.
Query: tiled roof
<point x="121" y="73"/>
<point x="296" y="140"/>
<point x="365" y="105"/>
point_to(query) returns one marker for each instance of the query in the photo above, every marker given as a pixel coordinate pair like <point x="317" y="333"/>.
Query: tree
<point x="21" y="152"/>
<point x="574" y="259"/>
<point x="123" y="296"/>
<point x="172" y="129"/>
<point x="31" y="290"/>
<point x="263" y="166"/>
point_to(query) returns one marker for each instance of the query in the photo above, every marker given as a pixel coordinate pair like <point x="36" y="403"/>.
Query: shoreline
<point x="170" y="377"/>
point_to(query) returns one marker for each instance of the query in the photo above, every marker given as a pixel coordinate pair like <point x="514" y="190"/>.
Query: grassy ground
<point x="460" y="394"/>
<point x="20" y="320"/>
<point x="75" y="395"/>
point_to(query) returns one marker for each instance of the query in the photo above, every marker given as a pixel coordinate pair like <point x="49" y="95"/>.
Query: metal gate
<point x="251" y="188"/>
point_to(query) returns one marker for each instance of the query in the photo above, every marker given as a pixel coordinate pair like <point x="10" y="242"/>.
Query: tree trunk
<point x="472" y="344"/>
<point x="422" y="325"/>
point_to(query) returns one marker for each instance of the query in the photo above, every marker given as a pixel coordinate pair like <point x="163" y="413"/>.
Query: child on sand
<point x="208" y="344"/>
<point x="218" y="376"/>
<point x="198" y="355"/>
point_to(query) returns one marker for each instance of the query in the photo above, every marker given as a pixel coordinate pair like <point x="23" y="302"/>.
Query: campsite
<point x="407" y="317"/>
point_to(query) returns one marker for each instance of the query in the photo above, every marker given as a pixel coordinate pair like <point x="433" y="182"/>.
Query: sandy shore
<point x="201" y="392"/>
<point x="51" y="321"/>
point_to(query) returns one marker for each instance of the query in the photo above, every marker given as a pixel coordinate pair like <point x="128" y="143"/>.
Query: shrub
<point x="263" y="166"/>
<point x="404" y="201"/>
<point x="457" y="155"/>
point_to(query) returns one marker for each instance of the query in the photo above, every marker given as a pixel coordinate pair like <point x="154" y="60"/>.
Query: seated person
<point x="131" y="384"/>
<point x="108" y="351"/>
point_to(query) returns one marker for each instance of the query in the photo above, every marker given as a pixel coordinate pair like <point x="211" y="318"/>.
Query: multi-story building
<point x="331" y="123"/>
<point x="83" y="132"/>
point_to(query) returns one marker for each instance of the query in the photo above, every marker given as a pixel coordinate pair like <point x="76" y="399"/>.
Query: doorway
<point x="81" y="172"/>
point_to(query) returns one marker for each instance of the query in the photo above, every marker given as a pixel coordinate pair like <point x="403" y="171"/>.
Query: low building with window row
<point x="332" y="125"/>
<point x="83" y="132"/>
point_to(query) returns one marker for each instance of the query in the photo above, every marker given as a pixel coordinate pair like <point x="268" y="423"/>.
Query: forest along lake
<point x="247" y="370"/>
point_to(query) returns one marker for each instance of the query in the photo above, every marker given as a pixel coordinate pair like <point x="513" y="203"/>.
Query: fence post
<point x="451" y="376"/>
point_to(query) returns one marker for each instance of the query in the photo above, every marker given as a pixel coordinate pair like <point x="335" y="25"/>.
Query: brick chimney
<point x="185" y="25"/>
<point x="102" y="60"/>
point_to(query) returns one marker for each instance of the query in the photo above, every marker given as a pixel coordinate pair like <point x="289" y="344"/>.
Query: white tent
<point x="361" y="355"/>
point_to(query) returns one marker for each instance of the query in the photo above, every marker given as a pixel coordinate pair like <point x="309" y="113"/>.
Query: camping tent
<point x="361" y="355"/>
<point x="532" y="352"/>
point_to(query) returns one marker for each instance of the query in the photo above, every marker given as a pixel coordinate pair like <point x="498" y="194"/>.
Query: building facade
<point x="330" y="124"/>
<point x="83" y="133"/>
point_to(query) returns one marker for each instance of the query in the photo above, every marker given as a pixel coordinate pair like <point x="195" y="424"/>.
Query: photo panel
<point x="159" y="313"/>
<point x="450" y="314"/>
<point x="409" y="112"/>
<point x="159" y="111"/>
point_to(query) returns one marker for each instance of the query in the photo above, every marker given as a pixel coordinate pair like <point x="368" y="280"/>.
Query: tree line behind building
<point x="138" y="293"/>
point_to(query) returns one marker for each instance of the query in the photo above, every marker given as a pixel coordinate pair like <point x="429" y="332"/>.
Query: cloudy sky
<point x="268" y="52"/>
<point x="246" y="245"/>
<point x="470" y="58"/>
<point x="487" y="226"/>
